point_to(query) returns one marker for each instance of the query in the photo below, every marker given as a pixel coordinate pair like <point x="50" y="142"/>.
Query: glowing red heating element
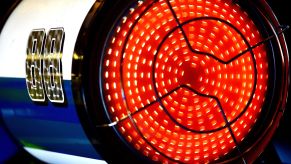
<point x="182" y="71"/>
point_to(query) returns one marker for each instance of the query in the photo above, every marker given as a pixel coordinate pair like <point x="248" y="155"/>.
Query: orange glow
<point x="179" y="68"/>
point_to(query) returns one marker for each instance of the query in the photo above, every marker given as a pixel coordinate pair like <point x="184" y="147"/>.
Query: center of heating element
<point x="202" y="87"/>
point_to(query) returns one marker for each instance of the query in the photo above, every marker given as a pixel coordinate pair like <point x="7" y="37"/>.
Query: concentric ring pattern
<point x="184" y="78"/>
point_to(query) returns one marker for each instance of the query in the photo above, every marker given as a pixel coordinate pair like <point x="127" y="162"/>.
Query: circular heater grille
<point x="185" y="80"/>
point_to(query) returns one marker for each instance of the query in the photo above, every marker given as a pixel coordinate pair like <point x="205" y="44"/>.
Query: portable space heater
<point x="164" y="81"/>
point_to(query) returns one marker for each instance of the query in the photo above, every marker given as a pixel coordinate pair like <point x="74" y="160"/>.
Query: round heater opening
<point x="185" y="81"/>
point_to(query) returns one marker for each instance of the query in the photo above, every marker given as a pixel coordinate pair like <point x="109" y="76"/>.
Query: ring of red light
<point x="229" y="122"/>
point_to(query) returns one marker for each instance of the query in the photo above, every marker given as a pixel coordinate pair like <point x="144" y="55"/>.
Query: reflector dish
<point x="188" y="81"/>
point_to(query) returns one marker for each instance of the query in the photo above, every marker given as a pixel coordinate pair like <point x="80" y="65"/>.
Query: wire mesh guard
<point x="186" y="80"/>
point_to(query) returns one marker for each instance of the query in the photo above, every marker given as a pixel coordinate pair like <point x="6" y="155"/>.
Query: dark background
<point x="278" y="151"/>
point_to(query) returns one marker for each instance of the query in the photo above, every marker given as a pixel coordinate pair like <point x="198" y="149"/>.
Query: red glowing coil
<point x="183" y="77"/>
